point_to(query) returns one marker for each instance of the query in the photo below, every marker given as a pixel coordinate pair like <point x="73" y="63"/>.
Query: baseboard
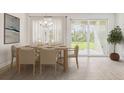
<point x="90" y="56"/>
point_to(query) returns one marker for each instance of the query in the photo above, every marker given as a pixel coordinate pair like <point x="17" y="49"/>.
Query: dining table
<point x="62" y="48"/>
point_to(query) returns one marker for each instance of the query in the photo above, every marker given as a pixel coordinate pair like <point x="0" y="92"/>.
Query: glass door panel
<point x="79" y="36"/>
<point x="90" y="35"/>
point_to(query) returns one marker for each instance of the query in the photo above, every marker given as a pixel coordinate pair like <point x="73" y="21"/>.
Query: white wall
<point x="5" y="52"/>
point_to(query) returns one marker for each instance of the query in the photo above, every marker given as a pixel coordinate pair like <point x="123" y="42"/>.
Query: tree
<point x="115" y="36"/>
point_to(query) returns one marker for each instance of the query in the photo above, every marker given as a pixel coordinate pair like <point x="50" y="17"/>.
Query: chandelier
<point x="46" y="21"/>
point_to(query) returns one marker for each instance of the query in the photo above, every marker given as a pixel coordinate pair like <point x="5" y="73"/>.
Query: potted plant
<point x="115" y="37"/>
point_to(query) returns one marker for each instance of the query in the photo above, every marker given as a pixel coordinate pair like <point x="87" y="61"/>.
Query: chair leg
<point x="55" y="69"/>
<point x="33" y="69"/>
<point x="19" y="68"/>
<point x="77" y="62"/>
<point x="40" y="68"/>
<point x="60" y="54"/>
<point x="12" y="63"/>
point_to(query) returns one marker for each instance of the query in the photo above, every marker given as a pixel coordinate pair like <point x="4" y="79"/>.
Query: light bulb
<point x="45" y="22"/>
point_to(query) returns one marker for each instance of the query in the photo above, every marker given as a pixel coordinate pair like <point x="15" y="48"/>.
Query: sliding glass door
<point x="90" y="35"/>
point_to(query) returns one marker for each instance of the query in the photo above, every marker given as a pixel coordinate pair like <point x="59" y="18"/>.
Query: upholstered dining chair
<point x="13" y="54"/>
<point x="73" y="53"/>
<point x="27" y="56"/>
<point x="48" y="56"/>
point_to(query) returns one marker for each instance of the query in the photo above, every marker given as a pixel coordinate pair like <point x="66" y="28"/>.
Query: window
<point x="90" y="35"/>
<point x="47" y="30"/>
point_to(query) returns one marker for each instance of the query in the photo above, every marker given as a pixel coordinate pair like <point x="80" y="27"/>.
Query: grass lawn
<point x="83" y="45"/>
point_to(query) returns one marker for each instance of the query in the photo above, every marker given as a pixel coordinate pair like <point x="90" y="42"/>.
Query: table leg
<point x="65" y="60"/>
<point x="17" y="59"/>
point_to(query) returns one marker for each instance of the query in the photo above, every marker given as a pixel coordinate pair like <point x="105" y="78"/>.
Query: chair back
<point x="76" y="50"/>
<point x="48" y="56"/>
<point x="26" y="55"/>
<point x="13" y="51"/>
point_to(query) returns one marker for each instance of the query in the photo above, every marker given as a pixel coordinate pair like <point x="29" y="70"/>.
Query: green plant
<point x="115" y="36"/>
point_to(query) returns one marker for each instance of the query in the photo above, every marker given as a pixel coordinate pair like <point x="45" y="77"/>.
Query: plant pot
<point x="114" y="56"/>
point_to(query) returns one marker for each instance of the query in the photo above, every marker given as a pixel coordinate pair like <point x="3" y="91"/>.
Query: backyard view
<point x="79" y="38"/>
<point x="88" y="35"/>
<point x="82" y="45"/>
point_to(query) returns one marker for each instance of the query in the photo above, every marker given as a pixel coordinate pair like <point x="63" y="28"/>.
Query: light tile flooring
<point x="92" y="68"/>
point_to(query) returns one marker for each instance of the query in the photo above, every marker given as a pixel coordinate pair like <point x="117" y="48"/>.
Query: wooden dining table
<point x="61" y="48"/>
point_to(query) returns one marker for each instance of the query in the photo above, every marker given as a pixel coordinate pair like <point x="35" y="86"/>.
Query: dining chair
<point x="13" y="54"/>
<point x="27" y="56"/>
<point x="73" y="53"/>
<point x="48" y="56"/>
